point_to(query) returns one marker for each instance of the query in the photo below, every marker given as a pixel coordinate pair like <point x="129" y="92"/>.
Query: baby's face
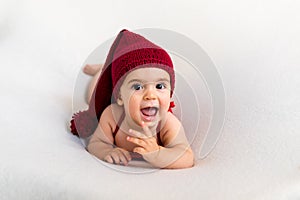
<point x="145" y="93"/>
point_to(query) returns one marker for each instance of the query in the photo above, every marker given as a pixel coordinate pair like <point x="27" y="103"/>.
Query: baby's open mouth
<point x="149" y="111"/>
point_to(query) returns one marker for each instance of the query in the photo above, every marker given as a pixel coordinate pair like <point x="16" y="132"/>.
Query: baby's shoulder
<point x="172" y="121"/>
<point x="172" y="124"/>
<point x="111" y="113"/>
<point x="172" y="127"/>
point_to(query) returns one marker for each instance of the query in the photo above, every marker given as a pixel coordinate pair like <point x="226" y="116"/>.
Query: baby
<point x="129" y="115"/>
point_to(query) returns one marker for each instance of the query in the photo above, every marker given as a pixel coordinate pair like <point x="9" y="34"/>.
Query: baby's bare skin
<point x="139" y="138"/>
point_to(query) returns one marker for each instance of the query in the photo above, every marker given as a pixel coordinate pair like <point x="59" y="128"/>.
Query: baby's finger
<point x="115" y="157"/>
<point x="108" y="159"/>
<point x="146" y="130"/>
<point x="123" y="159"/>
<point x="137" y="141"/>
<point x="127" y="155"/>
<point x="139" y="150"/>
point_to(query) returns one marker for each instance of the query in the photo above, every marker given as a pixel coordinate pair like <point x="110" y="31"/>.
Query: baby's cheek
<point x="165" y="103"/>
<point x="134" y="108"/>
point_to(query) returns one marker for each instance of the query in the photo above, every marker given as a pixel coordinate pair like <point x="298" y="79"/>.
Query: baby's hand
<point x="118" y="156"/>
<point x="146" y="142"/>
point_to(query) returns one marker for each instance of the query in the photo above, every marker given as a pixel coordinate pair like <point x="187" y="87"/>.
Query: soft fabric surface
<point x="255" y="45"/>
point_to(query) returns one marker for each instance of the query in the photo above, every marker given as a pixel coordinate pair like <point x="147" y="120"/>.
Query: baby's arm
<point x="175" y="155"/>
<point x="101" y="142"/>
<point x="176" y="152"/>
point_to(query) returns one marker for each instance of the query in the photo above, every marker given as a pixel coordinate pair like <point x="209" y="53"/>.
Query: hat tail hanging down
<point x="84" y="123"/>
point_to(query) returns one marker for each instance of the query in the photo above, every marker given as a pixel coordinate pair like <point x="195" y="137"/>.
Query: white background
<point x="254" y="44"/>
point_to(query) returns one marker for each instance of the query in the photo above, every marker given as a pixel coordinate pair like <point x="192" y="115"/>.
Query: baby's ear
<point x="120" y="101"/>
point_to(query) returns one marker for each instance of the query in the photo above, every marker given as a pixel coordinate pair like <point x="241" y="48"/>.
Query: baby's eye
<point x="137" y="87"/>
<point x="160" y="86"/>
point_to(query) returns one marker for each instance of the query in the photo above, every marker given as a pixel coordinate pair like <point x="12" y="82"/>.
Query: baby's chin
<point x="152" y="124"/>
<point x="149" y="124"/>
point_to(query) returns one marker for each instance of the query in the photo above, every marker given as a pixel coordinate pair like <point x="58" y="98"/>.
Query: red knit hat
<point x="128" y="52"/>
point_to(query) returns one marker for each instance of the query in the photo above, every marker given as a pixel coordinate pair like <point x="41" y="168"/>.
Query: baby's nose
<point x="150" y="94"/>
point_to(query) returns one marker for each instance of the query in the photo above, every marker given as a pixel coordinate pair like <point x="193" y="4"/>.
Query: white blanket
<point x="254" y="44"/>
